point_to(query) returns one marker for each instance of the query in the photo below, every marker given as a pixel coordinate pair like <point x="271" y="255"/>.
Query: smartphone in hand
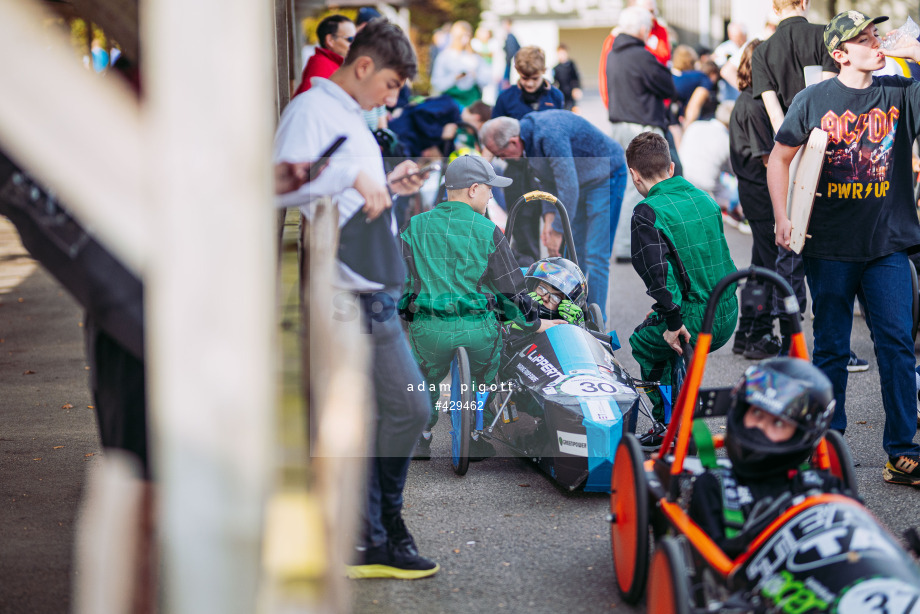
<point x="317" y="167"/>
<point x="429" y="168"/>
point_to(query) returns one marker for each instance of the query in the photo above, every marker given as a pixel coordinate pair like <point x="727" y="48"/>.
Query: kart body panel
<point x="832" y="556"/>
<point x="571" y="406"/>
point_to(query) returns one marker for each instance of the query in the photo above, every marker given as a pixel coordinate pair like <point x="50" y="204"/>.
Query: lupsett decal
<point x="545" y="365"/>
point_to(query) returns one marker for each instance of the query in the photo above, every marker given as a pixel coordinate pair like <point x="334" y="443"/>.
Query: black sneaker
<point x="902" y="470"/>
<point x="388" y="561"/>
<point x="480" y="449"/>
<point x="740" y="344"/>
<point x="767" y="346"/>
<point x="651" y="441"/>
<point x="398" y="534"/>
<point x="857" y="364"/>
<point x="422" y="448"/>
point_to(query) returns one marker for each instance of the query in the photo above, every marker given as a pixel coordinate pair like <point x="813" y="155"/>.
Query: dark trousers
<point x="791" y="267"/>
<point x="886" y="290"/>
<point x="755" y="322"/>
<point x="119" y="393"/>
<point x="400" y="416"/>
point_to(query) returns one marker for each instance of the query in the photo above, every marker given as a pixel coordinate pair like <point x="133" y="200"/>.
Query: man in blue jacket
<point x="585" y="168"/>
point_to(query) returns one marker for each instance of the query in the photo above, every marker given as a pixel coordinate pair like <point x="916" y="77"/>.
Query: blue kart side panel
<point x="572" y="401"/>
<point x="603" y="418"/>
<point x="603" y="438"/>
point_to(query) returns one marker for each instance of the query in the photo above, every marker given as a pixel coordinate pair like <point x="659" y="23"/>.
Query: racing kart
<point x="814" y="553"/>
<point x="561" y="398"/>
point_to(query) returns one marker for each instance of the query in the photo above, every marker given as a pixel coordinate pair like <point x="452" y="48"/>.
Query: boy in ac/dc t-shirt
<point x="864" y="221"/>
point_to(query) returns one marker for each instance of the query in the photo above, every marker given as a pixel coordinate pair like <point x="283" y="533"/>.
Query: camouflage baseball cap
<point x="846" y="25"/>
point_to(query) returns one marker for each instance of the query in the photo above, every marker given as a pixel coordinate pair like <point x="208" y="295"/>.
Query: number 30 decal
<point x="589" y="386"/>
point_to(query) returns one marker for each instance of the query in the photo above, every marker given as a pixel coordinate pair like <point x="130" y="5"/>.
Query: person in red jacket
<point x="335" y="34"/>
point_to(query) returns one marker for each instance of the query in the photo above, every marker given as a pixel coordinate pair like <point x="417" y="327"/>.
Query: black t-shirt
<point x="750" y="137"/>
<point x="778" y="63"/>
<point x="866" y="206"/>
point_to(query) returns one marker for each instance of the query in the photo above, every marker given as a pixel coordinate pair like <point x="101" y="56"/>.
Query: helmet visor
<point x="557" y="277"/>
<point x="778" y="394"/>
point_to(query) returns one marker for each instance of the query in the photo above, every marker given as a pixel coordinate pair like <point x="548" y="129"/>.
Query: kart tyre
<point x="462" y="397"/>
<point x="629" y="525"/>
<point x="595" y="319"/>
<point x="841" y="461"/>
<point x="915" y="305"/>
<point x="672" y="587"/>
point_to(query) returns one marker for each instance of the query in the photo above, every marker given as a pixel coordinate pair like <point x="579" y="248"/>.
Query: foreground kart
<point x="821" y="553"/>
<point x="561" y="398"/>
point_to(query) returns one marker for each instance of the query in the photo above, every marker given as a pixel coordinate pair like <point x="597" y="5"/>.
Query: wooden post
<point x="210" y="292"/>
<point x="85" y="144"/>
<point x="282" y="54"/>
<point x="339" y="401"/>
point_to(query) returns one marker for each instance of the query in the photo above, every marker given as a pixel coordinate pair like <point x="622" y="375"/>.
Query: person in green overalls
<point x="462" y="282"/>
<point x="679" y="251"/>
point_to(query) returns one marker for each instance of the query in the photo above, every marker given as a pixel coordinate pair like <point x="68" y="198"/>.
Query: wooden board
<point x="802" y="190"/>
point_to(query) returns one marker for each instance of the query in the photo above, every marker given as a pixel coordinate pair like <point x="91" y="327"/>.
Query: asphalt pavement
<point x="48" y="434"/>
<point x="506" y="537"/>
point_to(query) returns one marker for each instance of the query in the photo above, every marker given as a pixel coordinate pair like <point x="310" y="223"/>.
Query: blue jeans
<point x="888" y="297"/>
<point x="593" y="229"/>
<point x="400" y="415"/>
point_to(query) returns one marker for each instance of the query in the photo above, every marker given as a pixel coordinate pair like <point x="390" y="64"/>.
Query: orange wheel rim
<point x="624" y="531"/>
<point x="662" y="598"/>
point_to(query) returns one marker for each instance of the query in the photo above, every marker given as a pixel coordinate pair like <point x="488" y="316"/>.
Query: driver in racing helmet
<point x="779" y="412"/>
<point x="559" y="289"/>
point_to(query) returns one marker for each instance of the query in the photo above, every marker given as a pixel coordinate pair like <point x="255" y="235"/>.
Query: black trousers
<point x="757" y="299"/>
<point x="119" y="391"/>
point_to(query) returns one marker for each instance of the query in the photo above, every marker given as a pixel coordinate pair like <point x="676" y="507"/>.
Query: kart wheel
<point x="915" y="305"/>
<point x="629" y="526"/>
<point x="595" y="319"/>
<point x="672" y="590"/>
<point x="461" y="400"/>
<point x="841" y="460"/>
